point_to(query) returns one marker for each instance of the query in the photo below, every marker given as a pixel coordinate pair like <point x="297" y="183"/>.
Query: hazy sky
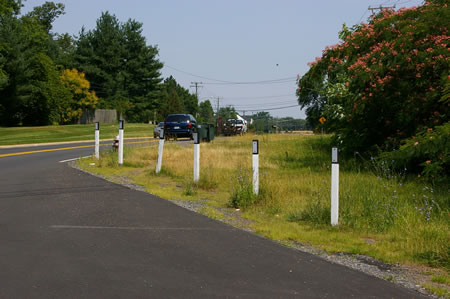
<point x="231" y="40"/>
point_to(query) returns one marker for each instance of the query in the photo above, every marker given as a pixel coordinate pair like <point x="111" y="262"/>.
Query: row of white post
<point x="97" y="141"/>
<point x="255" y="165"/>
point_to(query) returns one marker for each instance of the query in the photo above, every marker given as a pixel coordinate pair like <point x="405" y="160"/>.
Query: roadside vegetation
<point x="384" y="88"/>
<point x="46" y="134"/>
<point x="389" y="215"/>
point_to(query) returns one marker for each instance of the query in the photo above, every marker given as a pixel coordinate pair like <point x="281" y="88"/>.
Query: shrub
<point x="384" y="82"/>
<point x="427" y="153"/>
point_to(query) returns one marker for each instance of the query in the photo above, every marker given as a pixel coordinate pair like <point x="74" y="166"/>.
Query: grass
<point x="46" y="134"/>
<point x="438" y="291"/>
<point x="443" y="279"/>
<point x="405" y="219"/>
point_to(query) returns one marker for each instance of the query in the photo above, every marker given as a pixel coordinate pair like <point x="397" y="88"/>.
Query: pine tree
<point x="123" y="70"/>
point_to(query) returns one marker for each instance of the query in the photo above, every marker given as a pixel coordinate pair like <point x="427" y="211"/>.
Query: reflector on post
<point x="255" y="147"/>
<point x="334" y="155"/>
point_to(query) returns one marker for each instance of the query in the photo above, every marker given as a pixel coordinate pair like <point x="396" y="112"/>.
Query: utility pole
<point x="380" y="8"/>
<point x="196" y="85"/>
<point x="218" y="105"/>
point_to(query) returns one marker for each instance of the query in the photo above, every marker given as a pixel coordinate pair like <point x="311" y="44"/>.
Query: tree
<point x="10" y="7"/>
<point x="82" y="99"/>
<point x="263" y="122"/>
<point x="142" y="73"/>
<point x="175" y="99"/>
<point x="226" y="113"/>
<point x="383" y="82"/>
<point x="32" y="91"/>
<point x="47" y="13"/>
<point x="62" y="49"/>
<point x="123" y="70"/>
<point x="206" y="112"/>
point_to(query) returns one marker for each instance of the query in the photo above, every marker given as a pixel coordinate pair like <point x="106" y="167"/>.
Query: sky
<point x="256" y="47"/>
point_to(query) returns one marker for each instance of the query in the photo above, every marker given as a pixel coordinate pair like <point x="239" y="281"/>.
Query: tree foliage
<point x="226" y="113"/>
<point x="46" y="14"/>
<point x="82" y="98"/>
<point x="123" y="70"/>
<point x="206" y="112"/>
<point x="176" y="99"/>
<point x="384" y="82"/>
<point x="39" y="79"/>
<point x="31" y="90"/>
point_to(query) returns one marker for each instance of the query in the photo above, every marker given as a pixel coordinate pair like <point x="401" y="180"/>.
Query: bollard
<point x="121" y="124"/>
<point x="160" y="150"/>
<point x="196" y="157"/>
<point x="334" y="187"/>
<point x="255" y="167"/>
<point x="97" y="140"/>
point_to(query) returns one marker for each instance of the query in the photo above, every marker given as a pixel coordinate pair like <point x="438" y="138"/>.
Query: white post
<point x="334" y="187"/>
<point x="160" y="150"/>
<point x="255" y="167"/>
<point x="121" y="123"/>
<point x="196" y="157"/>
<point x="97" y="140"/>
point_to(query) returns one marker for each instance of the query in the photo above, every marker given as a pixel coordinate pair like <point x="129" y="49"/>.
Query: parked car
<point x="157" y="129"/>
<point x="241" y="128"/>
<point x="179" y="125"/>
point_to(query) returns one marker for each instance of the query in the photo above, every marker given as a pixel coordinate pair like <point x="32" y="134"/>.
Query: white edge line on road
<point x="74" y="159"/>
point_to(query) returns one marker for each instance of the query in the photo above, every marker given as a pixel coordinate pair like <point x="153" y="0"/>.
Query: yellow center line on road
<point x="64" y="148"/>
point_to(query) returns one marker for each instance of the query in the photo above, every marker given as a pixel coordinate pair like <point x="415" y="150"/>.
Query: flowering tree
<point x="82" y="98"/>
<point x="384" y="82"/>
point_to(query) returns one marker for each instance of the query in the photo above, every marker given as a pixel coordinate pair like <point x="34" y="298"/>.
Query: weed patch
<point x="242" y="190"/>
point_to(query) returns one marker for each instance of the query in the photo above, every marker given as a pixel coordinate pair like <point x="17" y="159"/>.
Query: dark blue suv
<point x="179" y="125"/>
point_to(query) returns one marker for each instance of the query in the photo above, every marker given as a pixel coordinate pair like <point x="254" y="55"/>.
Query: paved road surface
<point x="66" y="234"/>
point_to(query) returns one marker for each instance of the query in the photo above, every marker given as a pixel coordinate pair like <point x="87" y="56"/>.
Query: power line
<point x="365" y="11"/>
<point x="276" y="81"/>
<point x="194" y="75"/>
<point x="267" y="109"/>
<point x="265" y="104"/>
<point x="218" y="81"/>
<point x="261" y="97"/>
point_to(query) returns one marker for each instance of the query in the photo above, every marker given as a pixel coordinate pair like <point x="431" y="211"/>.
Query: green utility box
<point x="211" y="132"/>
<point x="206" y="132"/>
<point x="202" y="130"/>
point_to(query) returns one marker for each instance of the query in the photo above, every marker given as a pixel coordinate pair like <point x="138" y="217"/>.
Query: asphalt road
<point x="66" y="234"/>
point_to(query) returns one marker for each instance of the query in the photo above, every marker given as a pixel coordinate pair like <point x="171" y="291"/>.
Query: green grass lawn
<point x="31" y="135"/>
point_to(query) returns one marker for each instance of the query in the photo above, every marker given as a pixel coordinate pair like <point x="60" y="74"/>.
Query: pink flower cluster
<point x="311" y="64"/>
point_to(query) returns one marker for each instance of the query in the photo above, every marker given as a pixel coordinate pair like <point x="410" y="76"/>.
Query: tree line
<point x="48" y="78"/>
